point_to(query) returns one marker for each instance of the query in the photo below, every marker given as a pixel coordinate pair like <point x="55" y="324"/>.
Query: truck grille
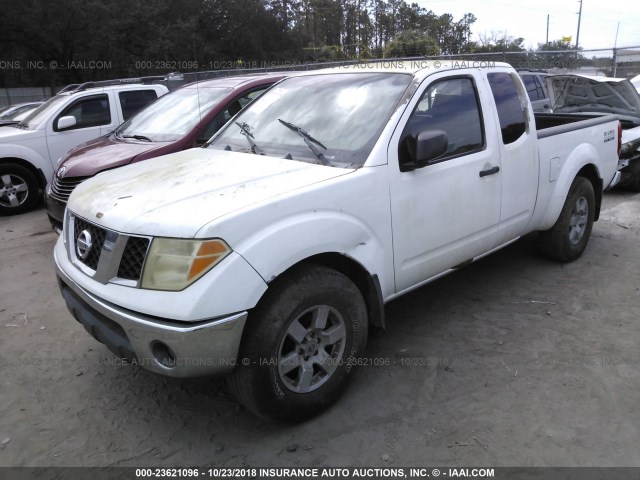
<point x="114" y="257"/>
<point x="97" y="238"/>
<point x="61" y="188"/>
<point x="133" y="258"/>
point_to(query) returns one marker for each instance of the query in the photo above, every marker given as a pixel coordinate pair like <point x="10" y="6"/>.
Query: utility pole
<point x="615" y="53"/>
<point x="579" y="18"/>
<point x="547" y="42"/>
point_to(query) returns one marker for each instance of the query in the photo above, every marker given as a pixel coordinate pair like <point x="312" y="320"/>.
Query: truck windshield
<point x="43" y="112"/>
<point x="325" y="119"/>
<point x="173" y="115"/>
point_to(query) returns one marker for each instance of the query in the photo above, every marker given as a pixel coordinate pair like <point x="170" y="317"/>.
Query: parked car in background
<point x="585" y="95"/>
<point x="29" y="150"/>
<point x="17" y="112"/>
<point x="536" y="88"/>
<point x="184" y="118"/>
<point x="635" y="81"/>
<point x="15" y="118"/>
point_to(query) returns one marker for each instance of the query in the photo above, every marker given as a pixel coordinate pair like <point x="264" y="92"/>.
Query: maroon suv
<point x="182" y="119"/>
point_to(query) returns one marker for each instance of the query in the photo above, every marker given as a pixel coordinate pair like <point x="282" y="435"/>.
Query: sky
<point x="528" y="19"/>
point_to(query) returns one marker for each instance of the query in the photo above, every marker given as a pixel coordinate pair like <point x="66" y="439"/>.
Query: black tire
<point x="270" y="363"/>
<point x="568" y="238"/>
<point x="18" y="189"/>
<point x="635" y="181"/>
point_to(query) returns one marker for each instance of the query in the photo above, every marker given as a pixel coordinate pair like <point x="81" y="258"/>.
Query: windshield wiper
<point x="138" y="137"/>
<point x="309" y="140"/>
<point x="246" y="131"/>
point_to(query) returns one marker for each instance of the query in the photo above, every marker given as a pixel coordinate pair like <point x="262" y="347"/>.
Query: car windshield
<point x="18" y="113"/>
<point x="21" y="115"/>
<point x="173" y="115"/>
<point x="327" y="119"/>
<point x="41" y="114"/>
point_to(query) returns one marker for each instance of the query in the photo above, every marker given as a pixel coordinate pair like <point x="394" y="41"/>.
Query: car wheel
<point x="569" y="236"/>
<point x="18" y="189"/>
<point x="300" y="344"/>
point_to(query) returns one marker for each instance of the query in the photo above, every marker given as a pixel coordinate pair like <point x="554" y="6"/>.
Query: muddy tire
<point x="300" y="345"/>
<point x="18" y="189"/>
<point x="568" y="238"/>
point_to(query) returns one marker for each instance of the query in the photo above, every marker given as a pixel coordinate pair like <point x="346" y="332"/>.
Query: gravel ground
<point x="512" y="361"/>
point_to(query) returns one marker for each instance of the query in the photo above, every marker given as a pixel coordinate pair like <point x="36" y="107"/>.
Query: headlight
<point x="174" y="263"/>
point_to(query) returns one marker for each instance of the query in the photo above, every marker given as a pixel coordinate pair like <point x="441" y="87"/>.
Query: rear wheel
<point x="300" y="345"/>
<point x="635" y="181"/>
<point x="568" y="238"/>
<point x="18" y="189"/>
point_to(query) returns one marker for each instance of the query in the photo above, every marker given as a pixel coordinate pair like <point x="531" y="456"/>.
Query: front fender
<point x="561" y="177"/>
<point x="29" y="155"/>
<point x="280" y="245"/>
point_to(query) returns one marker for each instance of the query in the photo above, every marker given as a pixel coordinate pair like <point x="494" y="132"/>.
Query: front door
<point x="447" y="212"/>
<point x="91" y="113"/>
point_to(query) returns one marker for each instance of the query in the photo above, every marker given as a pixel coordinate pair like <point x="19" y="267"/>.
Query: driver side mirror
<point x="66" y="122"/>
<point x="428" y="146"/>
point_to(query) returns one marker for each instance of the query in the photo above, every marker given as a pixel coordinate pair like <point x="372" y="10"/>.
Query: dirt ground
<point x="512" y="361"/>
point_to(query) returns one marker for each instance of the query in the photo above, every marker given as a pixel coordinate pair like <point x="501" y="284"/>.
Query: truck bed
<point x="549" y="124"/>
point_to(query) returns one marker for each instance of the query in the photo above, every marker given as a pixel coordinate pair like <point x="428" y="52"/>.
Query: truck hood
<point x="104" y="153"/>
<point x="176" y="195"/>
<point x="580" y="93"/>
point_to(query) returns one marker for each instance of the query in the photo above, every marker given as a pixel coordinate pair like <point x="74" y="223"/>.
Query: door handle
<point x="491" y="171"/>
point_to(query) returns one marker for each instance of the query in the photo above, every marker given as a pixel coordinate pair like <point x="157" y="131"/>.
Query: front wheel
<point x="568" y="238"/>
<point x="18" y="189"/>
<point x="300" y="345"/>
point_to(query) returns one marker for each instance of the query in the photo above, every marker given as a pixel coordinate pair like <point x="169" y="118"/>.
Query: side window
<point x="532" y="87"/>
<point x="450" y="106"/>
<point x="225" y="115"/>
<point x="513" y="122"/>
<point x="89" y="112"/>
<point x="135" y="100"/>
<point x="540" y="88"/>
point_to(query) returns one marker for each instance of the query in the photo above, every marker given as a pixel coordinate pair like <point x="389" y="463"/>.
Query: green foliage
<point x="411" y="43"/>
<point x="496" y="43"/>
<point x="148" y="37"/>
<point x="559" y="54"/>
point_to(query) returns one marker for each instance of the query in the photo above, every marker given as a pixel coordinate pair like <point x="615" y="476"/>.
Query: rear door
<point x="537" y="92"/>
<point x="446" y="212"/>
<point x="518" y="151"/>
<point x="132" y="101"/>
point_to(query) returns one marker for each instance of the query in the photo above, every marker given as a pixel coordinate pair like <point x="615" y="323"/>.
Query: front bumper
<point x="175" y="349"/>
<point x="55" y="209"/>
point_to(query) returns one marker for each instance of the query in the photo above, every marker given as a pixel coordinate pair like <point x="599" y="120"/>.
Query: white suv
<point x="29" y="151"/>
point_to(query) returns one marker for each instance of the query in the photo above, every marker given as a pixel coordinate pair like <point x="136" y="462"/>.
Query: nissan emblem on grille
<point x="83" y="244"/>
<point x="61" y="171"/>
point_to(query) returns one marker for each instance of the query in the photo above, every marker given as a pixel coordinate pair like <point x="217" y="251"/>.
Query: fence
<point x="11" y="96"/>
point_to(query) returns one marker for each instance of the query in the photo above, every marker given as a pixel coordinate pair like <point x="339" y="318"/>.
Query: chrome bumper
<point x="170" y="348"/>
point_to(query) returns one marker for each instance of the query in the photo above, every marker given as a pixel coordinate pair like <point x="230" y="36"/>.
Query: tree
<point x="411" y="43"/>
<point x="558" y="54"/>
<point x="496" y="42"/>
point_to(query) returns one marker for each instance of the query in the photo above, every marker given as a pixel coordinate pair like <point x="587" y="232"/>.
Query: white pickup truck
<point x="267" y="255"/>
<point x="30" y="150"/>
